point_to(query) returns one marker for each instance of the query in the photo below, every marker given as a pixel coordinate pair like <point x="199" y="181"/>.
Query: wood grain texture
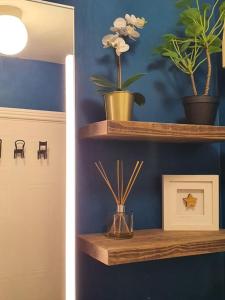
<point x="151" y="244"/>
<point x="160" y="132"/>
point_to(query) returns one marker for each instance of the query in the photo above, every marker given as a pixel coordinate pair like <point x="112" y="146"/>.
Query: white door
<point x="32" y="206"/>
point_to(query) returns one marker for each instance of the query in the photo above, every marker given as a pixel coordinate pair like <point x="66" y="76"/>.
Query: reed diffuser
<point x="121" y="226"/>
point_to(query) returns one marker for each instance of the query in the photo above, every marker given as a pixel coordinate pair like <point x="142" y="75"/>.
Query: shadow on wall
<point x="178" y="279"/>
<point x="146" y="197"/>
<point x="93" y="109"/>
<point x="168" y="82"/>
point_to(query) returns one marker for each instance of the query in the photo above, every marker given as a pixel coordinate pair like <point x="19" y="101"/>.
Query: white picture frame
<point x="190" y="202"/>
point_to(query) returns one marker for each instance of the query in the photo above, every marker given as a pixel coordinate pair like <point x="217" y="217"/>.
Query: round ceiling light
<point x="13" y="33"/>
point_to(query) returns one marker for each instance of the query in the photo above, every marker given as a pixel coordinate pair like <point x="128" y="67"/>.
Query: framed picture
<point x="190" y="202"/>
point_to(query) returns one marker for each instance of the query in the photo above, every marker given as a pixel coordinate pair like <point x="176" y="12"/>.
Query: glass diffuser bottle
<point x="121" y="226"/>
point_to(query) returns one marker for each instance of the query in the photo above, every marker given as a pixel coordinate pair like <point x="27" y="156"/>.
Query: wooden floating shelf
<point x="149" y="131"/>
<point x="151" y="244"/>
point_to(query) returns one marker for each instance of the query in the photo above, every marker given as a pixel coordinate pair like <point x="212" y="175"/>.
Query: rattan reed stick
<point x="132" y="183"/>
<point x="121" y="196"/>
<point x="103" y="170"/>
<point x="104" y="176"/>
<point x="137" y="163"/>
<point x="103" y="173"/>
<point x="108" y="181"/>
<point x="118" y="180"/>
<point x="121" y="176"/>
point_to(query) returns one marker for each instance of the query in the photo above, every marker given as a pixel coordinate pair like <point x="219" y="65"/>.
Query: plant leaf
<point x="185" y="46"/>
<point x="193" y="30"/>
<point x="214" y="49"/>
<point x="169" y="37"/>
<point x="222" y="10"/>
<point x="102" y="82"/>
<point x="139" y="98"/>
<point x="102" y="90"/>
<point x="215" y="41"/>
<point x="170" y="54"/>
<point x="190" y="17"/>
<point x="159" y="49"/>
<point x="206" y="7"/>
<point x="132" y="79"/>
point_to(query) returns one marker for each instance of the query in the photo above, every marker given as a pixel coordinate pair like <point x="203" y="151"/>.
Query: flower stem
<point x="119" y="72"/>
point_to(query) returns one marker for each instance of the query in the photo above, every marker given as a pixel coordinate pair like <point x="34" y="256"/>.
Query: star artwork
<point x="190" y="201"/>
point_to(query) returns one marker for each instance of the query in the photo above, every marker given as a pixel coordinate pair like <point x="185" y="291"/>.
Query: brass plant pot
<point x="119" y="105"/>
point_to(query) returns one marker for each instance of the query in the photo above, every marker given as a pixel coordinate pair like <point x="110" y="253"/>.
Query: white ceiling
<point x="50" y="29"/>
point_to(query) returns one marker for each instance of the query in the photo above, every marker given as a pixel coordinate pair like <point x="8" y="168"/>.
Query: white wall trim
<point x="29" y="114"/>
<point x="53" y="4"/>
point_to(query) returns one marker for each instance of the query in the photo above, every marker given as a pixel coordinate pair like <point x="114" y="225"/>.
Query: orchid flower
<point x="120" y="45"/>
<point x="108" y="40"/>
<point x="132" y="33"/>
<point x="120" y="23"/>
<point x="137" y="22"/>
<point x="123" y="27"/>
<point x="122" y="30"/>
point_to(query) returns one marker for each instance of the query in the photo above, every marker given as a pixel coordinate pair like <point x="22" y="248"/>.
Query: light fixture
<point x="13" y="33"/>
<point x="70" y="179"/>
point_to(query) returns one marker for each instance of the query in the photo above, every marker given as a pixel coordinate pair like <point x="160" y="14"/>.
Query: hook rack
<point x="43" y="150"/>
<point x="19" y="148"/>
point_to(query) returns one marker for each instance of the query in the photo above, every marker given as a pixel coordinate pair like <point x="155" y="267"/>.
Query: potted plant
<point x="202" y="38"/>
<point x="118" y="100"/>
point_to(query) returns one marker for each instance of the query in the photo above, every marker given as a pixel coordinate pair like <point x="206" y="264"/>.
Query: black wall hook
<point x="19" y="148"/>
<point x="43" y="150"/>
<point x="0" y="148"/>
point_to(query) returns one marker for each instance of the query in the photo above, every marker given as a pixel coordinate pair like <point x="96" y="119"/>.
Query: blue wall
<point x="200" y="277"/>
<point x="222" y="147"/>
<point x="190" y="278"/>
<point x="31" y="84"/>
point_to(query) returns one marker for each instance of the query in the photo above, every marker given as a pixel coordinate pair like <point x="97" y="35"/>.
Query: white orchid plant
<point x="123" y="30"/>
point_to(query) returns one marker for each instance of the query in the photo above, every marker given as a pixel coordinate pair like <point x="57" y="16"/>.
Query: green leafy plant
<point x="123" y="29"/>
<point x="202" y="38"/>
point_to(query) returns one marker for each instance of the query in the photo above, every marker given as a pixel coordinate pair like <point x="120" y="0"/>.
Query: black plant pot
<point x="200" y="109"/>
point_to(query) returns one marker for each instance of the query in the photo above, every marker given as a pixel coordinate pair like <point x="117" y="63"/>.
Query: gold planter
<point x="119" y="106"/>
